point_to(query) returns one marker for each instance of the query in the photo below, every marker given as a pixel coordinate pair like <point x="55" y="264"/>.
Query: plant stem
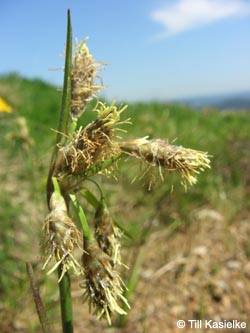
<point x="38" y="301"/>
<point x="52" y="185"/>
<point x="133" y="279"/>
<point x="66" y="304"/>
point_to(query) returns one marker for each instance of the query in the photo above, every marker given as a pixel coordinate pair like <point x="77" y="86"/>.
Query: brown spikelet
<point x="106" y="233"/>
<point x="103" y="285"/>
<point x="83" y="79"/>
<point x="62" y="237"/>
<point x="187" y="162"/>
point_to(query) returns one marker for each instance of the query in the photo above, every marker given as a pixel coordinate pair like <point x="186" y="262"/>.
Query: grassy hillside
<point x="25" y="151"/>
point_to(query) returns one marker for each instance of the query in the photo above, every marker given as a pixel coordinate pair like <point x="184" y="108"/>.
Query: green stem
<point x="133" y="279"/>
<point x="100" y="166"/>
<point x="63" y="127"/>
<point x="66" y="304"/>
<point x="56" y="186"/>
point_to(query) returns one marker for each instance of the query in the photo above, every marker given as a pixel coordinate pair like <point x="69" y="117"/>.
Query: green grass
<point x="225" y="188"/>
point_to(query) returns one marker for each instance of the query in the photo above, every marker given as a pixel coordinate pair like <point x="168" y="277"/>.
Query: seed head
<point x="187" y="162"/>
<point x="83" y="79"/>
<point x="62" y="237"/>
<point x="103" y="285"/>
<point x="106" y="233"/>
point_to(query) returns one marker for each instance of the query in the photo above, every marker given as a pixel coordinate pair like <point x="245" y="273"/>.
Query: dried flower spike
<point x="94" y="143"/>
<point x="62" y="237"/>
<point x="103" y="285"/>
<point x="83" y="76"/>
<point x="106" y="233"/>
<point x="187" y="162"/>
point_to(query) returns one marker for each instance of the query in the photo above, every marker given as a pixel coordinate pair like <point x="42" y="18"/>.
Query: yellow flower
<point x="4" y="106"/>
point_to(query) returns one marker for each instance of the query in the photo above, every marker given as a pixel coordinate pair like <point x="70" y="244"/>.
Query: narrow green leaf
<point x="133" y="279"/>
<point x="66" y="96"/>
<point x="63" y="125"/>
<point x="90" y="197"/>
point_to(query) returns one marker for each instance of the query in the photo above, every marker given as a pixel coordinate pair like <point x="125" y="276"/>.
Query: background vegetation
<point x="25" y="156"/>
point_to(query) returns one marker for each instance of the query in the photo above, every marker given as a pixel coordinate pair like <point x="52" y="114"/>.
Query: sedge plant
<point x="81" y="153"/>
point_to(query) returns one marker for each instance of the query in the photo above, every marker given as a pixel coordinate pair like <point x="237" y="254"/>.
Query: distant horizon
<point x="192" y="99"/>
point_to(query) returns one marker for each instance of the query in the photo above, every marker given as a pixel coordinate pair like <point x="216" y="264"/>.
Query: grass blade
<point x="81" y="216"/>
<point x="66" y="96"/>
<point x="90" y="197"/>
<point x="63" y="125"/>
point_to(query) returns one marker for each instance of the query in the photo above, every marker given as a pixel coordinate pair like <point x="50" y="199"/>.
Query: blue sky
<point x="156" y="49"/>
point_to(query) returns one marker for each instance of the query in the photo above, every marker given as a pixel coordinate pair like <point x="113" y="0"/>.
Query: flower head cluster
<point x="103" y="286"/>
<point x="85" y="152"/>
<point x="94" y="143"/>
<point x="102" y="283"/>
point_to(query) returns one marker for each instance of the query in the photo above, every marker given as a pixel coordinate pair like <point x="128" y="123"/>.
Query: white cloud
<point x="189" y="14"/>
